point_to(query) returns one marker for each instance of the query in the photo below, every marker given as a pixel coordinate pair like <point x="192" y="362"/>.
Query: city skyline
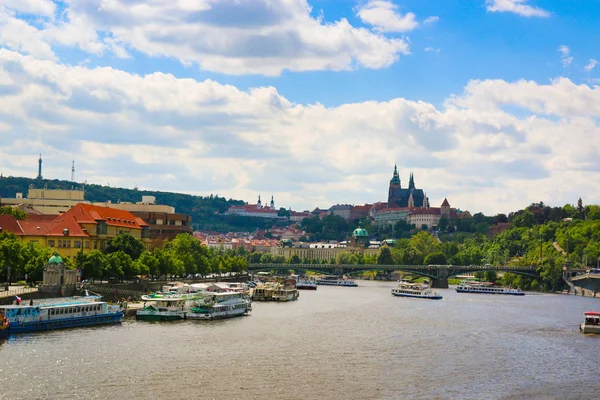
<point x="492" y="104"/>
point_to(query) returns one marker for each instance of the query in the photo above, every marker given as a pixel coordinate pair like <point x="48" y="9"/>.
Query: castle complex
<point x="410" y="197"/>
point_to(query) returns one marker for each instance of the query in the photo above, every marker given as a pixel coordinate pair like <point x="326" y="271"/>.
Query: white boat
<point x="163" y="307"/>
<point x="219" y="305"/>
<point x="274" y="291"/>
<point x="286" y="294"/>
<point x="591" y="323"/>
<point x="415" y="290"/>
<point x="486" y="288"/>
<point x="48" y="314"/>
<point x="335" y="281"/>
<point x="306" y="285"/>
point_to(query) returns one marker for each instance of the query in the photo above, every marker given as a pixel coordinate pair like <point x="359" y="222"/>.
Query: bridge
<point x="438" y="274"/>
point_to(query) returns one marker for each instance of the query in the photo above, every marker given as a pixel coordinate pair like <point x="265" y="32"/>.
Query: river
<point x="333" y="343"/>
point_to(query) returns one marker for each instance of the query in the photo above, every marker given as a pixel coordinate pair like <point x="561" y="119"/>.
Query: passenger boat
<point x="486" y="288"/>
<point x="219" y="305"/>
<point x="335" y="281"/>
<point x="591" y="323"/>
<point x="47" y="314"/>
<point x="163" y="307"/>
<point x="286" y="294"/>
<point x="306" y="285"/>
<point x="415" y="290"/>
<point x="4" y="324"/>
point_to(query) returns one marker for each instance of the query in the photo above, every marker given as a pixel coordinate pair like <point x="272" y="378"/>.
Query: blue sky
<point x="492" y="103"/>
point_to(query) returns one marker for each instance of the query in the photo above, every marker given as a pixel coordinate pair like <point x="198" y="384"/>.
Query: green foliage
<point x="15" y="212"/>
<point x="385" y="256"/>
<point x="127" y="244"/>
<point x="435" y="258"/>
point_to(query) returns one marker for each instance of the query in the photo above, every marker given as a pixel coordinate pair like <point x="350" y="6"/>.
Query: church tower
<point x="411" y="181"/>
<point x="272" y="203"/>
<point x="259" y="203"/>
<point x="39" y="176"/>
<point x="394" y="186"/>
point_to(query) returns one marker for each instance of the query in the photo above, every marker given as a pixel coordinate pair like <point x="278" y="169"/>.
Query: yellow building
<point x="84" y="227"/>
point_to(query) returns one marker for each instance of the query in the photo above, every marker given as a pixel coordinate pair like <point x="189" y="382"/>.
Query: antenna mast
<point x="73" y="172"/>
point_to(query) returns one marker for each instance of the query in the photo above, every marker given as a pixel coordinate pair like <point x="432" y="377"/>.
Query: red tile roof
<point x="9" y="224"/>
<point x="90" y="214"/>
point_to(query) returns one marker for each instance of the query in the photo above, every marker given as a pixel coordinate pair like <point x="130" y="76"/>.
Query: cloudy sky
<point x="493" y="104"/>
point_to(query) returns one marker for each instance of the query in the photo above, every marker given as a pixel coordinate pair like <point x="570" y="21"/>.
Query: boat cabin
<point x="592" y="318"/>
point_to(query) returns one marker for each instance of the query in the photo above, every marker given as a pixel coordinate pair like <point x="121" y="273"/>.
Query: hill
<point x="206" y="211"/>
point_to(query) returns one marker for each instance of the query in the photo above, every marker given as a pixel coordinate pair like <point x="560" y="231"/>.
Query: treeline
<point x="206" y="211"/>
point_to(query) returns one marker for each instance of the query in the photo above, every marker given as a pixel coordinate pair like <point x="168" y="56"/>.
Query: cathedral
<point x="410" y="197"/>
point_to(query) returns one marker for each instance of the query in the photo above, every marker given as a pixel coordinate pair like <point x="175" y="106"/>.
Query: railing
<point x="16" y="292"/>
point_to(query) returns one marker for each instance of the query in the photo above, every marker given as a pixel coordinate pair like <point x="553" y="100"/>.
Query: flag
<point x="18" y="298"/>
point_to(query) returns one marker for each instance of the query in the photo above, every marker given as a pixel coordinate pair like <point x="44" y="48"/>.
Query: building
<point x="358" y="212"/>
<point x="255" y="210"/>
<point x="391" y="216"/>
<point x="84" y="227"/>
<point x="409" y="197"/>
<point x="342" y="210"/>
<point x="48" y="201"/>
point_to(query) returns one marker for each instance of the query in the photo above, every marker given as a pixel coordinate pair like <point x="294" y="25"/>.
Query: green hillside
<point x="206" y="211"/>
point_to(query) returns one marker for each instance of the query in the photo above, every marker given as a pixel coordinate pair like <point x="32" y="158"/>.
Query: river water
<point x="333" y="343"/>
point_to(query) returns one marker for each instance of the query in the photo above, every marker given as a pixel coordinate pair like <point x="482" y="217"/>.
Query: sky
<point x="493" y="104"/>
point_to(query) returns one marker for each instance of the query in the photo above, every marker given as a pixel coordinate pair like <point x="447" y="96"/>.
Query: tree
<point x="385" y="256"/>
<point x="435" y="258"/>
<point x="126" y="243"/>
<point x="443" y="224"/>
<point x="93" y="265"/>
<point x="294" y="259"/>
<point x="15" y="212"/>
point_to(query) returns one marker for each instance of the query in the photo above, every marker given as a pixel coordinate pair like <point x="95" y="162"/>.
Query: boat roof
<point x="54" y="305"/>
<point x="592" y="313"/>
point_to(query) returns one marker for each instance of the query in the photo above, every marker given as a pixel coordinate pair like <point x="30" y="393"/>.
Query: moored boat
<point x="48" y="314"/>
<point x="306" y="285"/>
<point x="219" y="305"/>
<point x="163" y="308"/>
<point x="486" y="288"/>
<point x="591" y="322"/>
<point x="335" y="281"/>
<point x="415" y="290"/>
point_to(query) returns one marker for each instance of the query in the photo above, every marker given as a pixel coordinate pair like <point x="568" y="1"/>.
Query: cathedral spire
<point x="259" y="203"/>
<point x="396" y="178"/>
<point x="411" y="181"/>
<point x="272" y="203"/>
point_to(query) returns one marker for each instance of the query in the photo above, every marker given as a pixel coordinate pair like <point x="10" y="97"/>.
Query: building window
<point x="51" y="243"/>
<point x="77" y="244"/>
<point x="102" y="245"/>
<point x="86" y="244"/>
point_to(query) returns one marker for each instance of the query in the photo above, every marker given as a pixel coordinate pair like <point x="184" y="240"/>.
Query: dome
<point x="55" y="259"/>
<point x="360" y="232"/>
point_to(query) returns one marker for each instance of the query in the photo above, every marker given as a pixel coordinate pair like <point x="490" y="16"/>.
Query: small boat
<point x="219" y="305"/>
<point x="275" y="291"/>
<point x="486" y="288"/>
<point x="48" y="314"/>
<point x="335" y="281"/>
<point x="415" y="290"/>
<point x="591" y="323"/>
<point x="306" y="285"/>
<point x="163" y="307"/>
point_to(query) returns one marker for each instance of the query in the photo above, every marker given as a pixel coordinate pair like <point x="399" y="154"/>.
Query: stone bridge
<point x="438" y="274"/>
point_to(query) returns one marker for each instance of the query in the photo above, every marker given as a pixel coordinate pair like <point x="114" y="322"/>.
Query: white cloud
<point x="45" y="8"/>
<point x="565" y="55"/>
<point x="591" y="65"/>
<point x="431" y="20"/>
<point x="432" y="50"/>
<point x="518" y="7"/>
<point x="229" y="36"/>
<point x="383" y="16"/>
<point x="158" y="132"/>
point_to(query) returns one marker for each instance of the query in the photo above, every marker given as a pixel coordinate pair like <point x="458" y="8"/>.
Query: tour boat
<point x="4" y="324"/>
<point x="47" y="314"/>
<point x="591" y="323"/>
<point x="163" y="308"/>
<point x="219" y="305"/>
<point x="306" y="285"/>
<point x="486" y="288"/>
<point x="335" y="281"/>
<point x="415" y="290"/>
<point x="286" y="294"/>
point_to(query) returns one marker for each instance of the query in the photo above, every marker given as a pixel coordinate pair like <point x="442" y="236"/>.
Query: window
<point x="86" y="244"/>
<point x="50" y="243"/>
<point x="77" y="244"/>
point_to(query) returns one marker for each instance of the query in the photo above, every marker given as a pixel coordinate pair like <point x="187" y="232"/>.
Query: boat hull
<point x="584" y="328"/>
<point x="417" y="296"/>
<point x="306" y="287"/>
<point x="217" y="315"/>
<point x="336" y="283"/>
<point x="46" y="325"/>
<point x="159" y="316"/>
<point x="505" y="293"/>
